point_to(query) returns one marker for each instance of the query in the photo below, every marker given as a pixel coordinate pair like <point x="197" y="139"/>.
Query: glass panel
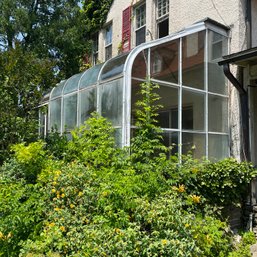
<point x="118" y="137"/>
<point x="55" y="114"/>
<point x="135" y="96"/>
<point x="57" y="91"/>
<point x="70" y="112"/>
<point x="163" y="7"/>
<point x="90" y="76"/>
<point x="218" y="147"/>
<point x="42" y="121"/>
<point x="140" y="36"/>
<point x="218" y="114"/>
<point x="140" y="65"/>
<point x="114" y="67"/>
<point x="111" y="101"/>
<point x="140" y="16"/>
<point x="170" y="138"/>
<point x="87" y="103"/>
<point x="193" y="60"/>
<point x="193" y="110"/>
<point x="108" y="35"/>
<point x="108" y="52"/>
<point x="164" y="62"/>
<point x="163" y="28"/>
<point x="217" y="47"/>
<point x="195" y="143"/>
<point x="168" y="113"/>
<point x="72" y="83"/>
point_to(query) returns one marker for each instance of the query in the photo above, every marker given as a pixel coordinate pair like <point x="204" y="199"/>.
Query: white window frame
<point x="140" y="19"/>
<point x="108" y="43"/>
<point x="162" y="7"/>
<point x="162" y="12"/>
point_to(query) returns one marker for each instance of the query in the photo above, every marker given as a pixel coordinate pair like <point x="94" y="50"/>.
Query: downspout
<point x="244" y="111"/>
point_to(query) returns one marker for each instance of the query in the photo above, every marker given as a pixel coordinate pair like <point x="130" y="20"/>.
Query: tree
<point x="54" y="29"/>
<point x="23" y="79"/>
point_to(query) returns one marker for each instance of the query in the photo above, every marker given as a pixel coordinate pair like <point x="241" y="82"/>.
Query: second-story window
<point x="108" y="42"/>
<point x="162" y="17"/>
<point x="95" y="49"/>
<point x="140" y="24"/>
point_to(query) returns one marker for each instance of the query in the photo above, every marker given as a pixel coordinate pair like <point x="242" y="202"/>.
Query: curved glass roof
<point x="127" y="64"/>
<point x="90" y="76"/>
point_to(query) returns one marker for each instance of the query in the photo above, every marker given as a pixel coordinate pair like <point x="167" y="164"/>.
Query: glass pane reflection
<point x="193" y="60"/>
<point x="111" y="101"/>
<point x="55" y="114"/>
<point x="193" y="110"/>
<point x="87" y="104"/>
<point x="218" y="147"/>
<point x="70" y="112"/>
<point x="194" y="143"/>
<point x="164" y="62"/>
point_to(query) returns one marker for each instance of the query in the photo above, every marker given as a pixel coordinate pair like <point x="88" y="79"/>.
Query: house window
<point x="140" y="24"/>
<point x="95" y="49"/>
<point x="108" y="42"/>
<point x="163" y="18"/>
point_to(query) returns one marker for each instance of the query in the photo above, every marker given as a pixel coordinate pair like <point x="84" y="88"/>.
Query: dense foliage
<point x="41" y="42"/>
<point x="91" y="198"/>
<point x="20" y="93"/>
<point x="96" y="13"/>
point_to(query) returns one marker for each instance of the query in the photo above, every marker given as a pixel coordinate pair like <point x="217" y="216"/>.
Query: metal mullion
<point x="206" y="93"/>
<point x="180" y="101"/>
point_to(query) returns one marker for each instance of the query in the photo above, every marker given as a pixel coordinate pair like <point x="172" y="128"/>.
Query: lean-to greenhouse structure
<point x="193" y="91"/>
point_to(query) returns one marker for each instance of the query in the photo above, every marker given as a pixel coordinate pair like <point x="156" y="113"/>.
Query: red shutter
<point x="126" y="29"/>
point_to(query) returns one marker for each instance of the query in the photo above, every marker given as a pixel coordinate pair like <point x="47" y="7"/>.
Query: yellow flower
<point x="1" y="235"/>
<point x="58" y="172"/>
<point x="62" y="228"/>
<point x="62" y="189"/>
<point x="194" y="170"/>
<point x="53" y="190"/>
<point x="164" y="242"/>
<point x="187" y="225"/>
<point x="57" y="209"/>
<point x="9" y="235"/>
<point x="62" y="195"/>
<point x="117" y="230"/>
<point x="104" y="194"/>
<point x="80" y="194"/>
<point x="54" y="183"/>
<point x="181" y="189"/>
<point x="72" y="206"/>
<point x="195" y="198"/>
<point x="51" y="224"/>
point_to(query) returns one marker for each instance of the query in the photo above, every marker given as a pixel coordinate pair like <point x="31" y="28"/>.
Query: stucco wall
<point x="254" y="23"/>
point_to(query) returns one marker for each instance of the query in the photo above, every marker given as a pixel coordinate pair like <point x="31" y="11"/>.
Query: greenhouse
<point x="193" y="91"/>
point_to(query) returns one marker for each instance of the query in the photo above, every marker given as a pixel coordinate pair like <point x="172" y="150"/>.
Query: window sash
<point x="108" y="35"/>
<point x="140" y="16"/>
<point x="162" y="8"/>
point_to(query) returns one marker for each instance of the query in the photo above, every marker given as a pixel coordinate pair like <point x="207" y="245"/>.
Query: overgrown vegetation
<point x="86" y="197"/>
<point x="41" y="43"/>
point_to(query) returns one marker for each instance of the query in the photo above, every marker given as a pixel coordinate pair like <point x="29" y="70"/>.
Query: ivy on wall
<point x="96" y="13"/>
